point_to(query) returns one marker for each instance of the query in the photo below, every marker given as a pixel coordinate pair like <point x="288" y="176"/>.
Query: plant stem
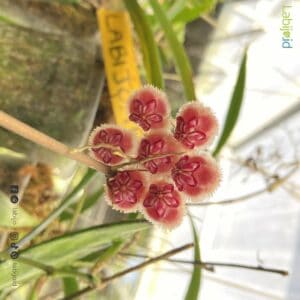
<point x="142" y="161"/>
<point x="233" y="200"/>
<point x="77" y="212"/>
<point x="49" y="270"/>
<point x="269" y="188"/>
<point x="36" y="288"/>
<point x="147" y="262"/>
<point x="182" y="62"/>
<point x="12" y="124"/>
<point x="36" y="264"/>
<point x="105" y="256"/>
<point x="150" y="51"/>
<point x="115" y="149"/>
<point x="106" y="280"/>
<point x="208" y="264"/>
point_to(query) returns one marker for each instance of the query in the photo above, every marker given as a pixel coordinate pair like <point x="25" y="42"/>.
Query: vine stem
<point x="106" y="280"/>
<point x="209" y="264"/>
<point x="12" y="124"/>
<point x="232" y="200"/>
<point x="142" y="161"/>
<point x="269" y="188"/>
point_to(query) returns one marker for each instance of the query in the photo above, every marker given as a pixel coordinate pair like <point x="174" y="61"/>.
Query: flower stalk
<point x="12" y="124"/>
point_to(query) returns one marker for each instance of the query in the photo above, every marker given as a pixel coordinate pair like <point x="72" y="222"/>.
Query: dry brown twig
<point x="106" y="280"/>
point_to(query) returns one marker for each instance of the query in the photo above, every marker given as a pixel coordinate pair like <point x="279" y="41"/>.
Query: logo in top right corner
<point x="286" y="26"/>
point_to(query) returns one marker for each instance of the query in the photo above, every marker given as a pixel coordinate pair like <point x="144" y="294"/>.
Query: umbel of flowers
<point x="158" y="173"/>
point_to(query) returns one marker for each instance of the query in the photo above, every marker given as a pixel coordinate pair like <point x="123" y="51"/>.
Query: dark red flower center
<point x="113" y="139"/>
<point x="145" y="114"/>
<point x="187" y="132"/>
<point x="149" y="149"/>
<point x="124" y="188"/>
<point x="183" y="173"/>
<point x="160" y="198"/>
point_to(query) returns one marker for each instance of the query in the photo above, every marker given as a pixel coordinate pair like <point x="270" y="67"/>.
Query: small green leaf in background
<point x="150" y="51"/>
<point x="181" y="60"/>
<point x="88" y="203"/>
<point x="194" y="286"/>
<point x="191" y="10"/>
<point x="7" y="20"/>
<point x="70" y="285"/>
<point x="22" y="218"/>
<point x="34" y="290"/>
<point x="65" y="1"/>
<point x="62" y="251"/>
<point x="234" y="107"/>
<point x="107" y="254"/>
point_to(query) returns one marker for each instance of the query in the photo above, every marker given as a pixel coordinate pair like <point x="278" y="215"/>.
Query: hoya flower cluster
<point x="168" y="166"/>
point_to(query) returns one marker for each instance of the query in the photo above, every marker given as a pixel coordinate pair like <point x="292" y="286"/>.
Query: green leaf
<point x="7" y="20"/>
<point x="150" y="51"/>
<point x="33" y="293"/>
<point x="194" y="286"/>
<point x="234" y="107"/>
<point x="57" y="211"/>
<point x="192" y="10"/>
<point x="181" y="60"/>
<point x="70" y="285"/>
<point x="64" y="250"/>
<point x="108" y="253"/>
<point x="88" y="203"/>
<point x="10" y="212"/>
<point x="65" y="1"/>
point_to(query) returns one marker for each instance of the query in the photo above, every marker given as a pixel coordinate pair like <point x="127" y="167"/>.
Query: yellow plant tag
<point x="120" y="61"/>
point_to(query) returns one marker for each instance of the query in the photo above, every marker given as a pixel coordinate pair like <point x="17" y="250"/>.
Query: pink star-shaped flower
<point x="148" y="108"/>
<point x="126" y="189"/>
<point x="117" y="140"/>
<point x="163" y="204"/>
<point x="145" y="115"/>
<point x="158" y="143"/>
<point x="196" y="126"/>
<point x="187" y="133"/>
<point x="183" y="173"/>
<point x="196" y="175"/>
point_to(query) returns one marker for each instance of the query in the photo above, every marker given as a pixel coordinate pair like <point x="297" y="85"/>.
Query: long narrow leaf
<point x="88" y="203"/>
<point x="107" y="254"/>
<point x="194" y="286"/>
<point x="70" y="285"/>
<point x="188" y="13"/>
<point x="150" y="51"/>
<point x="56" y="212"/>
<point x="181" y="60"/>
<point x="234" y="107"/>
<point x="62" y="251"/>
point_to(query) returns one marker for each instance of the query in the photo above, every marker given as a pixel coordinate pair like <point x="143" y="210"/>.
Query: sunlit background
<point x="263" y="230"/>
